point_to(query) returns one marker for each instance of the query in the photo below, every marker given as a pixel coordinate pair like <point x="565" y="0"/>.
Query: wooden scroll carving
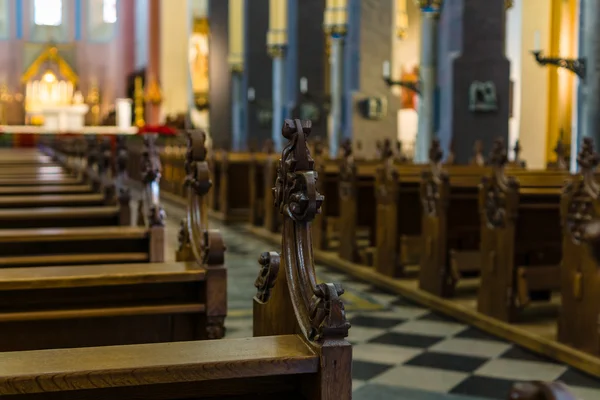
<point x="196" y="241"/>
<point x="269" y="269"/>
<point x="387" y="178"/>
<point x="561" y="158"/>
<point x="497" y="186"/>
<point x="432" y="180"/>
<point x="347" y="184"/>
<point x="582" y="192"/>
<point x="580" y="208"/>
<point x="151" y="173"/>
<point x="540" y="391"/>
<point x="318" y="307"/>
<point x="400" y="156"/>
<point x="121" y="181"/>
<point x="478" y="158"/>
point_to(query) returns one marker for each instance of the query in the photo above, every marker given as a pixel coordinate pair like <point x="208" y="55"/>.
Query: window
<point x="109" y="11"/>
<point x="47" y="12"/>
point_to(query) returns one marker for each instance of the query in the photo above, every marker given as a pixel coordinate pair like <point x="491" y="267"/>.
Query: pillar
<point x="337" y="72"/>
<point x="153" y="67"/>
<point x="428" y="84"/>
<point x="474" y="84"/>
<point x="277" y="46"/>
<point x="236" y="63"/>
<point x="367" y="45"/>
<point x="590" y="85"/>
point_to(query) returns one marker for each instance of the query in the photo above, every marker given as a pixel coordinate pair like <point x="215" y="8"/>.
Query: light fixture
<point x="49" y="77"/>
<point x="575" y="65"/>
<point x="387" y="77"/>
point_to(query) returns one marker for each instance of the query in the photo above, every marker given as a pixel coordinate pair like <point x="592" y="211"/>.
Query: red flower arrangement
<point x="162" y="130"/>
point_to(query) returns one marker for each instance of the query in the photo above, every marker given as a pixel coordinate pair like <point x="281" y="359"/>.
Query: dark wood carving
<point x="582" y="192"/>
<point x="540" y="391"/>
<point x="435" y="275"/>
<point x="197" y="242"/>
<point x="151" y="172"/>
<point x="319" y="309"/>
<point x="580" y="208"/>
<point x="269" y="269"/>
<point x="561" y="158"/>
<point x="497" y="186"/>
<point x="432" y="179"/>
<point x="478" y="158"/>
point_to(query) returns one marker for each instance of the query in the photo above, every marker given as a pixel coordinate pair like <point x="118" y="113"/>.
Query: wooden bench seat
<point x="52" y="200"/>
<point x="41" y="180"/>
<point x="44" y="190"/>
<point x="81" y="245"/>
<point x="47" y="217"/>
<point x="277" y="365"/>
<point x="98" y="305"/>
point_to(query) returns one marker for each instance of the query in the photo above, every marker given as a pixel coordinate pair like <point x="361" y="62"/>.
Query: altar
<point x="51" y="98"/>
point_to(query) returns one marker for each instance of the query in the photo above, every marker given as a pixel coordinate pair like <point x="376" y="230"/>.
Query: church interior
<point x="180" y="185"/>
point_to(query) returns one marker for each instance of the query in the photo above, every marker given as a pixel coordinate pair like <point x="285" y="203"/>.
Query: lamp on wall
<point x="387" y="77"/>
<point x="577" y="66"/>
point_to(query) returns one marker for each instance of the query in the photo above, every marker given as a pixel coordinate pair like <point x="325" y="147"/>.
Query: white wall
<point x="533" y="126"/>
<point x="174" y="67"/>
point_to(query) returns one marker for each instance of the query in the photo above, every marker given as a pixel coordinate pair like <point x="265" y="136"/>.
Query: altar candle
<point x="69" y="92"/>
<point x="387" y="70"/>
<point x="537" y="42"/>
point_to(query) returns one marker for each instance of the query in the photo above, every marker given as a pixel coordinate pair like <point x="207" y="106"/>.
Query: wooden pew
<point x="580" y="208"/>
<point x="450" y="223"/>
<point x="79" y="243"/>
<point x="520" y="238"/>
<point x="299" y="350"/>
<point x="398" y="217"/>
<point x="260" y="187"/>
<point x="97" y="305"/>
<point x="108" y="207"/>
<point x="356" y="228"/>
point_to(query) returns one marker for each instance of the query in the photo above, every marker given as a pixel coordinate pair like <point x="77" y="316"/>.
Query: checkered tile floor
<point x="402" y="350"/>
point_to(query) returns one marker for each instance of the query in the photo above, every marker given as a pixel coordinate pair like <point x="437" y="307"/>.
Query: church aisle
<point x="401" y="350"/>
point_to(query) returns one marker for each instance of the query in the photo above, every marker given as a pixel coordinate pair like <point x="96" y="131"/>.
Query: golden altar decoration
<point x="50" y="85"/>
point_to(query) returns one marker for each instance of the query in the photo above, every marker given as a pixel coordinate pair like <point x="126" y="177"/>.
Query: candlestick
<point x="303" y="85"/>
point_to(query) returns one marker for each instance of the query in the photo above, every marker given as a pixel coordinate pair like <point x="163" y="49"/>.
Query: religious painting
<point x="198" y="61"/>
<point x="408" y="98"/>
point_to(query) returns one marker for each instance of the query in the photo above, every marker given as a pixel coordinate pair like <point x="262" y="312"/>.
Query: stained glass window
<point x="47" y="12"/>
<point x="109" y="11"/>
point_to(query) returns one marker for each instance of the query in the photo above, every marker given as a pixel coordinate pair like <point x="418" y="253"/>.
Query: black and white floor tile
<point x="400" y="349"/>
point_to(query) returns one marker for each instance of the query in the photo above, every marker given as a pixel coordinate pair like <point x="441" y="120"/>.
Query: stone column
<point x="335" y="80"/>
<point x="590" y="85"/>
<point x="153" y="67"/>
<point x="236" y="63"/>
<point x="428" y="84"/>
<point x="474" y="76"/>
<point x="277" y="45"/>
